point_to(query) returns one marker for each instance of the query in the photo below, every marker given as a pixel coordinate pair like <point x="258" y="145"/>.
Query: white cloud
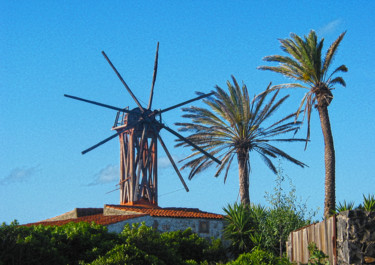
<point x="330" y="27"/>
<point x="19" y="174"/>
<point x="106" y="175"/>
<point x="163" y="162"/>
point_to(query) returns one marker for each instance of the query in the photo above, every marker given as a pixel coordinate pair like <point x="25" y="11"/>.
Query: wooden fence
<point x="323" y="234"/>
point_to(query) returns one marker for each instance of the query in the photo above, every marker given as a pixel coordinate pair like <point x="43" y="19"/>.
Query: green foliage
<point x="259" y="257"/>
<point x="256" y="227"/>
<point x="317" y="257"/>
<point x="345" y="206"/>
<point x="144" y="245"/>
<point x="67" y="244"/>
<point x="24" y="245"/>
<point x="151" y="242"/>
<point x="369" y="203"/>
<point x="84" y="243"/>
<point x="127" y="254"/>
<point x="239" y="226"/>
<point x="284" y="215"/>
<point x="190" y="246"/>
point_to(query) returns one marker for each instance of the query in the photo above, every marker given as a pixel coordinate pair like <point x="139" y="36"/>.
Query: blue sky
<point x="51" y="48"/>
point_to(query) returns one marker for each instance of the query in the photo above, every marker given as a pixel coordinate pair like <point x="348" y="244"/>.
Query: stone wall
<point x="206" y="228"/>
<point x="355" y="237"/>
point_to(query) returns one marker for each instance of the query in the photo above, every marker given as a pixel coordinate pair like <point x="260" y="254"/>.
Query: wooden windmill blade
<point x="97" y="103"/>
<point x="130" y="126"/>
<point x="123" y="82"/>
<point x="173" y="163"/>
<point x="186" y="102"/>
<point x="154" y="76"/>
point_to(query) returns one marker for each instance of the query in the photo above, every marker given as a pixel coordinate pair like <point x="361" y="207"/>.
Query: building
<point x="115" y="217"/>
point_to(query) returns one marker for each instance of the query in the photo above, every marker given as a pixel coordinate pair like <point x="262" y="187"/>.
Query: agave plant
<point x="239" y="226"/>
<point x="345" y="206"/>
<point x="369" y="203"/>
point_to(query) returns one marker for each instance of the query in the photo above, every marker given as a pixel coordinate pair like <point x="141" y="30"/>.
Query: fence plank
<point x="323" y="234"/>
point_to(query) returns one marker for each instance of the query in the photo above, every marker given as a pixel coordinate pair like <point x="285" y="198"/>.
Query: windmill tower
<point x="139" y="134"/>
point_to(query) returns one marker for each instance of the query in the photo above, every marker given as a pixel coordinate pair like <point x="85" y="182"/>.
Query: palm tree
<point x="305" y="64"/>
<point x="232" y="127"/>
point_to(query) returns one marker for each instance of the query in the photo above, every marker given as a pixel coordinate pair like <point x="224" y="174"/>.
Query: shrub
<point x="317" y="257"/>
<point x="259" y="257"/>
<point x="256" y="227"/>
<point x="151" y="242"/>
<point x="67" y="244"/>
<point x="189" y="245"/>
<point x="240" y="223"/>
<point x="127" y="254"/>
<point x="82" y="243"/>
<point x="285" y="214"/>
<point x="175" y="247"/>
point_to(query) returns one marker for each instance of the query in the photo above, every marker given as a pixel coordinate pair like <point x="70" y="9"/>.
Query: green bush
<point x="144" y="245"/>
<point x="253" y="227"/>
<point x="189" y="245"/>
<point x="127" y="254"/>
<point x="240" y="224"/>
<point x="84" y="243"/>
<point x="259" y="257"/>
<point x="67" y="244"/>
<point x="317" y="257"/>
<point x="151" y="242"/>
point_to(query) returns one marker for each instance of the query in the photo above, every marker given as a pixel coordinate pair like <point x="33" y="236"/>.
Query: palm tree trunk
<point x="243" y="176"/>
<point x="329" y="160"/>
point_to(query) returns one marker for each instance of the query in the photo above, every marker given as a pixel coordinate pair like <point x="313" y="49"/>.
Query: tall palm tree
<point x="306" y="65"/>
<point x="233" y="127"/>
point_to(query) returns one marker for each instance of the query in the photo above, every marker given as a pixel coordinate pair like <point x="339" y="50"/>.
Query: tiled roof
<point x="168" y="212"/>
<point x="97" y="218"/>
<point x="130" y="212"/>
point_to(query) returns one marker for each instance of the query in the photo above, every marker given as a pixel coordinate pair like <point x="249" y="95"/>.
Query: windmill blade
<point x="97" y="103"/>
<point x="154" y="77"/>
<point x="123" y="82"/>
<point x="186" y="102"/>
<point x="100" y="143"/>
<point x="190" y="143"/>
<point x="108" y="139"/>
<point x="173" y="163"/>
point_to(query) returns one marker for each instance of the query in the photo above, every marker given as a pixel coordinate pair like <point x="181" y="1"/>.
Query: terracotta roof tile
<point x="168" y="212"/>
<point x="97" y="218"/>
<point x="141" y="211"/>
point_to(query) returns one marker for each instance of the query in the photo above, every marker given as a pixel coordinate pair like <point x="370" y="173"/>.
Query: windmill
<point x="139" y="132"/>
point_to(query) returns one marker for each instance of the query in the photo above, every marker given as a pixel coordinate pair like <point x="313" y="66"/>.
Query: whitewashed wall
<point x="205" y="228"/>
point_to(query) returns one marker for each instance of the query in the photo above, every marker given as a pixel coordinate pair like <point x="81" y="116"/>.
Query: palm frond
<point x="268" y="162"/>
<point x="337" y="80"/>
<point x="341" y="68"/>
<point x="331" y="52"/>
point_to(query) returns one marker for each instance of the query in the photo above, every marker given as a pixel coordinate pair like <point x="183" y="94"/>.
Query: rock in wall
<point x="356" y="237"/>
